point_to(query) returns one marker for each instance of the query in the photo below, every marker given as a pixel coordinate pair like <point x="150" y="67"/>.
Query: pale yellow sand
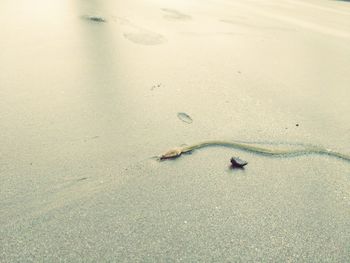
<point x="85" y="104"/>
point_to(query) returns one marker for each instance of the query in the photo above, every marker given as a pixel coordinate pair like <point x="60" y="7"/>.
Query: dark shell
<point x="237" y="162"/>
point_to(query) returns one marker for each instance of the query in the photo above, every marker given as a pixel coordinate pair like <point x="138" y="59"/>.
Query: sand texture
<point x="91" y="90"/>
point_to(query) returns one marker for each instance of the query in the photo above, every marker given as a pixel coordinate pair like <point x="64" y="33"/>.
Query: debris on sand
<point x="237" y="162"/>
<point x="156" y="86"/>
<point x="98" y="19"/>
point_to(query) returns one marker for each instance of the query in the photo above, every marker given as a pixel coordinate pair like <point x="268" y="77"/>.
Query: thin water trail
<point x="304" y="149"/>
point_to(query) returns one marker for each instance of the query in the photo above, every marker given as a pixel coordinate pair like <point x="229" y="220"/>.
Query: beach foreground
<point x="91" y="90"/>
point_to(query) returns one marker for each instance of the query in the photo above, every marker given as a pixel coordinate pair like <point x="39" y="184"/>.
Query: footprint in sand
<point x="139" y="35"/>
<point x="145" y="38"/>
<point x="172" y="14"/>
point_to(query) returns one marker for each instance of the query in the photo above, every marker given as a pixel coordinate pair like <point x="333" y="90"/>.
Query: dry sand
<point x="85" y="103"/>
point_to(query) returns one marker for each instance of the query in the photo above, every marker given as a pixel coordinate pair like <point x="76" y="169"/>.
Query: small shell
<point x="171" y="154"/>
<point x="237" y="162"/>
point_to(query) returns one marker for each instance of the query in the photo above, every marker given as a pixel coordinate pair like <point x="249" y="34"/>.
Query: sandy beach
<point x="92" y="90"/>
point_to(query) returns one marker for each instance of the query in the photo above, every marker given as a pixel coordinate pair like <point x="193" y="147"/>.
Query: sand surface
<point x="85" y="103"/>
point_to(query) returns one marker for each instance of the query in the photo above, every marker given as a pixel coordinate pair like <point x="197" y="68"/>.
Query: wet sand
<point x="85" y="103"/>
